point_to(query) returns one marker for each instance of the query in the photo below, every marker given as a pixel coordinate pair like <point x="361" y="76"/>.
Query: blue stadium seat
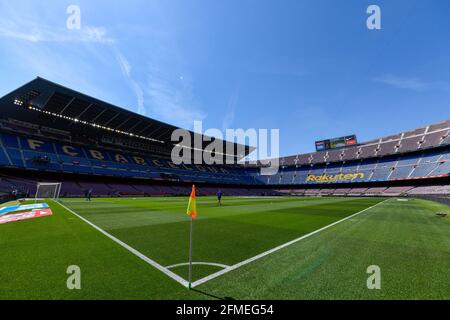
<point x="43" y="155"/>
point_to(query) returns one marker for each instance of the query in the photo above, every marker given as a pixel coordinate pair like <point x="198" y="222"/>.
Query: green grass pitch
<point x="409" y="243"/>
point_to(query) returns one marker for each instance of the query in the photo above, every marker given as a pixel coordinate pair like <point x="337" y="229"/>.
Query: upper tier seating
<point x="419" y="139"/>
<point x="27" y="153"/>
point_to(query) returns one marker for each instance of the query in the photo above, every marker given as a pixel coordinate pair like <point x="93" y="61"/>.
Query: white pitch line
<point x="131" y="249"/>
<point x="263" y="254"/>
<point x="202" y="263"/>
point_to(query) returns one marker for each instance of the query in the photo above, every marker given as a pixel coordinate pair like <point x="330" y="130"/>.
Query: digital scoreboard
<point x="335" y="143"/>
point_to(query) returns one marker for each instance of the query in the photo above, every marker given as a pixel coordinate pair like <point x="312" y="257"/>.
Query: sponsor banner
<point x="25" y="215"/>
<point x="328" y="178"/>
<point x="321" y="145"/>
<point x="350" y="140"/>
<point x="336" y="143"/>
<point x="5" y="210"/>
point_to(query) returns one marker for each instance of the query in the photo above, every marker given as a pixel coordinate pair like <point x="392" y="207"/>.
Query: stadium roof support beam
<point x="111" y="119"/>
<point x="126" y="120"/>
<point x="135" y="125"/>
<point x="99" y="114"/>
<point x="145" y="129"/>
<point x="86" y="109"/>
<point x="161" y="135"/>
<point x="67" y="105"/>
<point x="153" y="133"/>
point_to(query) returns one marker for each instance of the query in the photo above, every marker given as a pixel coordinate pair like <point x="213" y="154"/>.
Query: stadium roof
<point x="51" y="98"/>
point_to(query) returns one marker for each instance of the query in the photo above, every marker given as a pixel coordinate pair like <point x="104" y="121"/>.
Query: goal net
<point x="48" y="190"/>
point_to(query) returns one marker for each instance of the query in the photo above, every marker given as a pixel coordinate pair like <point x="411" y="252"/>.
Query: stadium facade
<point x="52" y="133"/>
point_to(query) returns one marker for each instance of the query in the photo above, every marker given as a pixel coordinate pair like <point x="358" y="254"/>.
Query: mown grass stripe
<point x="131" y="249"/>
<point x="263" y="254"/>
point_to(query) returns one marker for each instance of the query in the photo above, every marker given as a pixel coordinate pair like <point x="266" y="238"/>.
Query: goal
<point x="48" y="190"/>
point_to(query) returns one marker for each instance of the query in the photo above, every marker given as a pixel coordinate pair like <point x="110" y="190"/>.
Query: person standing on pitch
<point x="89" y="195"/>
<point x="219" y="197"/>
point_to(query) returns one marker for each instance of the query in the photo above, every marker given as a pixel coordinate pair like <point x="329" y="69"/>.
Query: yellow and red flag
<point x="192" y="206"/>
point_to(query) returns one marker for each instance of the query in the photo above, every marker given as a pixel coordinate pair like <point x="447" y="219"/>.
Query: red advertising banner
<point x="25" y="215"/>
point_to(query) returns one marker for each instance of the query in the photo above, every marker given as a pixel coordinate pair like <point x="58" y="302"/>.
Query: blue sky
<point x="310" y="68"/>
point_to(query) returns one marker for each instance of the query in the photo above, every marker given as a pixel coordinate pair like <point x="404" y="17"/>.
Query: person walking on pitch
<point x="219" y="197"/>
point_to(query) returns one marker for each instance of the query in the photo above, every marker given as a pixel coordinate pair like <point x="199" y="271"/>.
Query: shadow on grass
<point x="211" y="295"/>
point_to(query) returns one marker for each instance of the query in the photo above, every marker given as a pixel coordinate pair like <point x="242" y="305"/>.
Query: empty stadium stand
<point x="47" y="128"/>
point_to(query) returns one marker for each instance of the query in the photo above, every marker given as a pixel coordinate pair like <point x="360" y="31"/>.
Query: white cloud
<point x="37" y="39"/>
<point x="171" y="101"/>
<point x="14" y="34"/>
<point x="123" y="63"/>
<point x="411" y="83"/>
<point x="70" y="69"/>
<point x="95" y="34"/>
<point x="41" y="33"/>
<point x="33" y="29"/>
<point x="125" y="67"/>
<point x="229" y="116"/>
<point x="404" y="83"/>
<point x="19" y="21"/>
<point x="139" y="96"/>
<point x="36" y="32"/>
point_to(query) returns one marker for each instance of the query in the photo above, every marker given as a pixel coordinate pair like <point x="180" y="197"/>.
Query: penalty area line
<point x="151" y="262"/>
<point x="263" y="254"/>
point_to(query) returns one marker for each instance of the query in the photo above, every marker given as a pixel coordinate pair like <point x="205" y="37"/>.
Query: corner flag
<point x="192" y="206"/>
<point x="192" y="212"/>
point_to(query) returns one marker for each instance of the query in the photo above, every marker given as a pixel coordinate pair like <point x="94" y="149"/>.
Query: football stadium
<point x="224" y="159"/>
<point x="90" y="186"/>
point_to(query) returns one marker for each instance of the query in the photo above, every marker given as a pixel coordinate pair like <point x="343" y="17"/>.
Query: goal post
<point x="47" y="190"/>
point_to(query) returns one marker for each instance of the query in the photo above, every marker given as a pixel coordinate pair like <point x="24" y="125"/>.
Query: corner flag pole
<point x="192" y="212"/>
<point x="190" y="252"/>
